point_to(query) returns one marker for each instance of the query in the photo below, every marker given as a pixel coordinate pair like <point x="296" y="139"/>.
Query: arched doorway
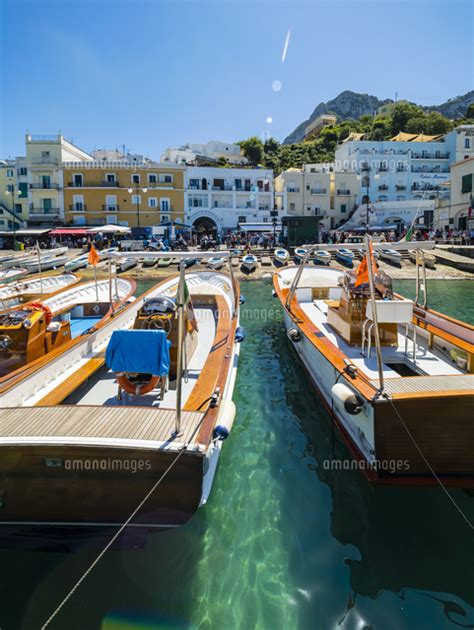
<point x="205" y="226"/>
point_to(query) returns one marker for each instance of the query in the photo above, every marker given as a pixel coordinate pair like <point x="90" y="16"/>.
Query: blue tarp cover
<point x="145" y="351"/>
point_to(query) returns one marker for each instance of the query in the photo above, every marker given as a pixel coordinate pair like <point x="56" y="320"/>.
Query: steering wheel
<point x="157" y="323"/>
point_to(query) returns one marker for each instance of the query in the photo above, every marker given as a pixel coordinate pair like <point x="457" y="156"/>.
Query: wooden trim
<point x="80" y="376"/>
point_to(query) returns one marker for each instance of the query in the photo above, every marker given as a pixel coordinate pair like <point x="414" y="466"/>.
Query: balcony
<point x="106" y="184"/>
<point x="400" y="187"/>
<point x="401" y="169"/>
<point x="438" y="155"/>
<point x="44" y="213"/>
<point x="293" y="189"/>
<point x="343" y="191"/>
<point x="423" y="187"/>
<point x="429" y="169"/>
<point x="76" y="184"/>
<point x="45" y="186"/>
<point x="365" y="166"/>
<point x="110" y="207"/>
<point x="383" y="187"/>
<point x="44" y="161"/>
<point x="77" y="207"/>
<point x="264" y="207"/>
<point x="223" y="187"/>
<point x="383" y="169"/>
<point x="221" y="204"/>
<point x="318" y="191"/>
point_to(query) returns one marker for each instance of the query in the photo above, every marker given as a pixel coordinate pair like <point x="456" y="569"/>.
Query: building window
<point x="238" y="184"/>
<point x="164" y="218"/>
<point x="343" y="207"/>
<point x="110" y="178"/>
<point x="467" y="143"/>
<point x="111" y="203"/>
<point x="136" y="199"/>
<point x="242" y="219"/>
<point x="152" y="202"/>
<point x="135" y="178"/>
<point x="197" y="201"/>
<point x="77" y="179"/>
<point x="165" y="205"/>
<point x="292" y="207"/>
<point x="265" y="219"/>
<point x="45" y="154"/>
<point x="22" y="171"/>
<point x="166" y="179"/>
<point x="18" y="208"/>
<point x="10" y="188"/>
<point x="10" y="172"/>
<point x="466" y="183"/>
<point x="78" y="203"/>
<point x="194" y="183"/>
<point x="152" y="178"/>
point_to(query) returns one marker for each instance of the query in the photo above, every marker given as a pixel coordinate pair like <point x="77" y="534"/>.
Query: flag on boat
<point x="362" y="271"/>
<point x="189" y="308"/>
<point x="408" y="235"/>
<point x="94" y="256"/>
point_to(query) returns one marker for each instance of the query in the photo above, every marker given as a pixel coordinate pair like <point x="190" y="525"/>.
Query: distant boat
<point x="190" y="262"/>
<point x="9" y="275"/>
<point x="321" y="257"/>
<point x="281" y="256"/>
<point x="429" y="259"/>
<point x="164" y="262"/>
<point x="45" y="264"/>
<point x="300" y="253"/>
<point x="249" y="263"/>
<point x="216" y="262"/>
<point x="21" y="259"/>
<point x="391" y="256"/>
<point x="77" y="263"/>
<point x="345" y="256"/>
<point x="35" y="288"/>
<point x="126" y="264"/>
<point x="149" y="262"/>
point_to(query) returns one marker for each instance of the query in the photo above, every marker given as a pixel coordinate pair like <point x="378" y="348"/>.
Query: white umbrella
<point x="110" y="229"/>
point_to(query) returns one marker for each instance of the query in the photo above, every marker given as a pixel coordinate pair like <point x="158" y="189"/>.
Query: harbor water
<point x="284" y="542"/>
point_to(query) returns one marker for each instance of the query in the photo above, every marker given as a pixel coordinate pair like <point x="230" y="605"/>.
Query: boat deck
<point x="429" y="362"/>
<point x="420" y="384"/>
<point x="91" y="426"/>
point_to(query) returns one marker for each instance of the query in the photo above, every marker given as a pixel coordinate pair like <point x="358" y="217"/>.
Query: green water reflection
<point x="282" y="543"/>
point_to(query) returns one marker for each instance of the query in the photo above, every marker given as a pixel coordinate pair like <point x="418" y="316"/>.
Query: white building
<point x="459" y="213"/>
<point x="408" y="166"/>
<point x="193" y="153"/>
<point x="317" y="189"/>
<point x="221" y="198"/>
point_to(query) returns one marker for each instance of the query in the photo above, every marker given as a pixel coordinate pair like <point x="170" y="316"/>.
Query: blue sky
<point x="157" y="73"/>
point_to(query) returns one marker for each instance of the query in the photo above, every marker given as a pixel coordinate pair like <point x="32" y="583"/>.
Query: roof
<point x="354" y="136"/>
<point x="413" y="137"/>
<point x="69" y="231"/>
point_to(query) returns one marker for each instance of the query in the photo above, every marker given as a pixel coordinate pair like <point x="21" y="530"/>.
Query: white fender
<point x="346" y="399"/>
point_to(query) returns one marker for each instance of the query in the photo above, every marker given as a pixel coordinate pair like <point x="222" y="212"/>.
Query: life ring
<point x="136" y="388"/>
<point x="39" y="306"/>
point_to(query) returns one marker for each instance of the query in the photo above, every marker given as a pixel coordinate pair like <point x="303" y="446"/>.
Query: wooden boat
<point x="321" y="257"/>
<point x="299" y="254"/>
<point x="392" y="256"/>
<point x="408" y="404"/>
<point x="31" y="332"/>
<point x="34" y="288"/>
<point x="126" y="264"/>
<point x="281" y="256"/>
<point x="21" y="259"/>
<point x="216" y="262"/>
<point x="95" y="440"/>
<point x="345" y="256"/>
<point x="79" y="262"/>
<point x="10" y="275"/>
<point x="164" y="262"/>
<point x="44" y="264"/>
<point x="429" y="259"/>
<point x="249" y="263"/>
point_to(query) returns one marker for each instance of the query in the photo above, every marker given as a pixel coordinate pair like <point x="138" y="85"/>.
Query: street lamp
<point x="13" y="194"/>
<point x="136" y="189"/>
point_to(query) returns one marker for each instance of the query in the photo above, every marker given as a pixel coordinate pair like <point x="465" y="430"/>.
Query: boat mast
<point x="368" y="249"/>
<point x="420" y="286"/>
<point x="179" y="367"/>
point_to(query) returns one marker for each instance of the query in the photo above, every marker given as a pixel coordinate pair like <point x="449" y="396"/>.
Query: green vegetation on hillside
<point x="405" y="117"/>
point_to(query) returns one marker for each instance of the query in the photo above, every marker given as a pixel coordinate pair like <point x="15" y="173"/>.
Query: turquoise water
<point x="282" y="543"/>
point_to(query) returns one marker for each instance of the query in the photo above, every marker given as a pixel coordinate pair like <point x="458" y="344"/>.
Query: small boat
<point x="31" y="331"/>
<point x="417" y="385"/>
<point x="149" y="262"/>
<point x="392" y="256"/>
<point x="216" y="262"/>
<point x="34" y="288"/>
<point x="126" y="263"/>
<point x="190" y="262"/>
<point x="300" y="253"/>
<point x="345" y="256"/>
<point x="164" y="262"/>
<point x="249" y="263"/>
<point x="321" y="257"/>
<point x="21" y="259"/>
<point x="44" y="264"/>
<point x="361" y="253"/>
<point x="281" y="256"/>
<point x="77" y="263"/>
<point x="104" y="421"/>
<point x="9" y="275"/>
<point x="429" y="259"/>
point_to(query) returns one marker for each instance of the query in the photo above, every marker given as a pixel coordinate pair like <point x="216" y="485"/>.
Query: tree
<point x="401" y="115"/>
<point x="470" y="111"/>
<point x="252" y="149"/>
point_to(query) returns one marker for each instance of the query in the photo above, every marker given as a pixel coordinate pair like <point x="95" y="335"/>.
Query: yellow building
<point x="101" y="192"/>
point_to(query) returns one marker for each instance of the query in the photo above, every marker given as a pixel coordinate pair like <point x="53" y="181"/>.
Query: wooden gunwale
<point x="12" y="378"/>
